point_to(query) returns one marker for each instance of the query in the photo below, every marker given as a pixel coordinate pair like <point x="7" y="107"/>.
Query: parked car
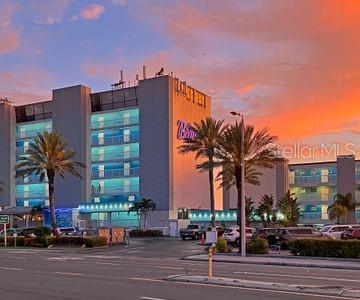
<point x="35" y="231"/>
<point x="193" y="231"/>
<point x="69" y="231"/>
<point x="272" y="235"/>
<point x="10" y="232"/>
<point x="335" y="231"/>
<point x="232" y="234"/>
<point x="351" y="234"/>
<point x="293" y="233"/>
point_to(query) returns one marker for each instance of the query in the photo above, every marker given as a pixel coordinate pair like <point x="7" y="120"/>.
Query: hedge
<point x="10" y="241"/>
<point x="145" y="233"/>
<point x="325" y="248"/>
<point x="257" y="246"/>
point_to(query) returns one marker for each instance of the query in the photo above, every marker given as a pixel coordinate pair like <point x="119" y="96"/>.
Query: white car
<point x="335" y="231"/>
<point x="232" y="234"/>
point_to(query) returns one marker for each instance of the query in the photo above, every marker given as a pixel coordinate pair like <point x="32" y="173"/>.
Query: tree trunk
<point x="212" y="197"/>
<point x="238" y="187"/>
<point x="144" y="220"/>
<point x="51" y="178"/>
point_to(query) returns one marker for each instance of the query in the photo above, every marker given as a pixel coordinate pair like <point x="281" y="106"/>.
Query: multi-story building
<point x="127" y="137"/>
<point x="314" y="185"/>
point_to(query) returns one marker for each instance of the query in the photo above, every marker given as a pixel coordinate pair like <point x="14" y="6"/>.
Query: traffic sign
<point x="4" y="219"/>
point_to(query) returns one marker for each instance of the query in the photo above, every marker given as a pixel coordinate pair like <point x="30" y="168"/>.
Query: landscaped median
<point x="49" y="241"/>
<point x="271" y="286"/>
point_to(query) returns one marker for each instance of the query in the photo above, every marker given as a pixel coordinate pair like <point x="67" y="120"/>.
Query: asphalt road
<point x="137" y="272"/>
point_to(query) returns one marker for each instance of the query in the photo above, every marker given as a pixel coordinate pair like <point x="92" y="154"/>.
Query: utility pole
<point x="241" y="205"/>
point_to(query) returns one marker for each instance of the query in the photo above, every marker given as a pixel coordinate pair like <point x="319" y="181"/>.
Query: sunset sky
<point x="293" y="66"/>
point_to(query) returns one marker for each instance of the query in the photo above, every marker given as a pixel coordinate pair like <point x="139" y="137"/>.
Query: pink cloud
<point x="92" y="12"/>
<point x="10" y="35"/>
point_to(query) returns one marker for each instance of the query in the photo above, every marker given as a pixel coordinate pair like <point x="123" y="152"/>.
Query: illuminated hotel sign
<point x="185" y="131"/>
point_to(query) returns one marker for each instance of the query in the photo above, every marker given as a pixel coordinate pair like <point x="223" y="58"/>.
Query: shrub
<point x="325" y="248"/>
<point x="11" y="241"/>
<point x="145" y="233"/>
<point x="42" y="231"/>
<point x="257" y="246"/>
<point x="221" y="245"/>
<point x="34" y="242"/>
<point x="95" y="241"/>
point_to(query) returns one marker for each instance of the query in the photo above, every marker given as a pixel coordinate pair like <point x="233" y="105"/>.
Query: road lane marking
<point x="12" y="269"/>
<point x="151" y="298"/>
<point x="166" y="267"/>
<point x="298" y="276"/>
<point x="69" y="273"/>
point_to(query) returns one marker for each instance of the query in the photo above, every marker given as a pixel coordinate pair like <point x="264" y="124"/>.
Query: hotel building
<point x="128" y="139"/>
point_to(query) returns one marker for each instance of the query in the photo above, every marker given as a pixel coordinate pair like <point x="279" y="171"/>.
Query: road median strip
<point x="271" y="286"/>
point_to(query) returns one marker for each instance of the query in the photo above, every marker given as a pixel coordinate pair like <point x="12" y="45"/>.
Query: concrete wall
<point x="7" y="153"/>
<point x="190" y="188"/>
<point x="154" y="141"/>
<point x="346" y="180"/>
<point x="71" y="117"/>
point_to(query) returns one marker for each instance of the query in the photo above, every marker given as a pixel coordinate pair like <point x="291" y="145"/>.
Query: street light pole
<point x="241" y="205"/>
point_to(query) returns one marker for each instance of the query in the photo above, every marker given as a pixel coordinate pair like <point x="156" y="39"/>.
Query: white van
<point x="335" y="231"/>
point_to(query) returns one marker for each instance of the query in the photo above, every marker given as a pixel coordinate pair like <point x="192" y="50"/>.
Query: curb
<point x="267" y="263"/>
<point x="271" y="286"/>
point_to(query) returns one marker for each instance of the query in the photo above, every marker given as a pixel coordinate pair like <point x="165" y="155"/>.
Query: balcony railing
<point x="115" y="156"/>
<point x="116" y="173"/>
<point x="124" y="122"/>
<point x="98" y="191"/>
<point x="31" y="194"/>
<point x="310" y="180"/>
<point x="311" y="218"/>
<point x="114" y="140"/>
<point x="29" y="180"/>
<point x="312" y="197"/>
<point x="28" y="134"/>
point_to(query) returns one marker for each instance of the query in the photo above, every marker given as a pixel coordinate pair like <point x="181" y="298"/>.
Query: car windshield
<point x="193" y="227"/>
<point x="325" y="229"/>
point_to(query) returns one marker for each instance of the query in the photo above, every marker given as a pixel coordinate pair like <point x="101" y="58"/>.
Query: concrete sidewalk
<point x="291" y="261"/>
<point x="271" y="286"/>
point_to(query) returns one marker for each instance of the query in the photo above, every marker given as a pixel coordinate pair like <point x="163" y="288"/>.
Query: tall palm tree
<point x="336" y="212"/>
<point x="289" y="208"/>
<point x="249" y="210"/>
<point x="259" y="151"/>
<point x="48" y="157"/>
<point x="265" y="209"/>
<point x="142" y="208"/>
<point x="205" y="145"/>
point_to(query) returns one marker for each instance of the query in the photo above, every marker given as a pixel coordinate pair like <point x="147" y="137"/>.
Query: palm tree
<point x="265" y="209"/>
<point x="249" y="210"/>
<point x="142" y="208"/>
<point x="48" y="157"/>
<point x="289" y="209"/>
<point x="205" y="145"/>
<point x="345" y="201"/>
<point x="259" y="151"/>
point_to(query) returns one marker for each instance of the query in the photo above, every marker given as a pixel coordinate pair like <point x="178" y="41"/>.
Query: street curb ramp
<point x="271" y="286"/>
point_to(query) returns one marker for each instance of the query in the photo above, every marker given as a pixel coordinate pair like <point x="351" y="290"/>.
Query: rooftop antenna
<point x="144" y="72"/>
<point x="121" y="82"/>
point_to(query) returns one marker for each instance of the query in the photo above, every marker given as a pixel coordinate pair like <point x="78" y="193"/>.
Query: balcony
<point x="32" y="195"/>
<point x="116" y="156"/>
<point x="29" y="134"/>
<point x="29" y="180"/>
<point x="313" y="180"/>
<point x="315" y="198"/>
<point x="312" y="218"/>
<point x="116" y="173"/>
<point x="116" y="123"/>
<point x="114" y="140"/>
<point x="122" y="190"/>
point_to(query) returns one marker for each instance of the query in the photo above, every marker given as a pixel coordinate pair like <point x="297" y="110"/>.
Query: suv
<point x="351" y="234"/>
<point x="193" y="231"/>
<point x="293" y="233"/>
<point x="69" y="231"/>
<point x="232" y="234"/>
<point x="335" y="231"/>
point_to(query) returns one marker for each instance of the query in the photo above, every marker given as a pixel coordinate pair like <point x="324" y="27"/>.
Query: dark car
<point x="272" y="235"/>
<point x="351" y="234"/>
<point x="193" y="231"/>
<point x="293" y="233"/>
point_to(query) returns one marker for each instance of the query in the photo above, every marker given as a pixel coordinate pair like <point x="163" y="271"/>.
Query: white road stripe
<point x="68" y="273"/>
<point x="151" y="298"/>
<point x="298" y="276"/>
<point x="12" y="269"/>
<point x="165" y="267"/>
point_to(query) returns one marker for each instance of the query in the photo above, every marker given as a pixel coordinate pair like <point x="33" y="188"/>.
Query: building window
<point x="126" y="186"/>
<point x="126" y="136"/>
<point x="324" y="175"/>
<point x="101" y="169"/>
<point x="101" y="138"/>
<point x="126" y="169"/>
<point x="291" y="177"/>
<point x="324" y="212"/>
